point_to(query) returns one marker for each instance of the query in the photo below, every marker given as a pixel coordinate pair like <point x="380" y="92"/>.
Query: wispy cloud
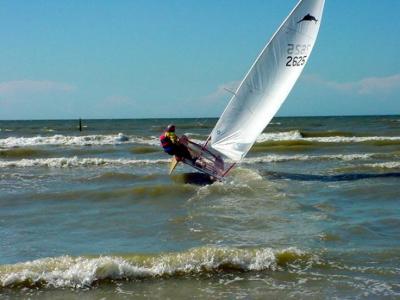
<point x="222" y="90"/>
<point x="117" y="100"/>
<point x="24" y="87"/>
<point x="365" y="86"/>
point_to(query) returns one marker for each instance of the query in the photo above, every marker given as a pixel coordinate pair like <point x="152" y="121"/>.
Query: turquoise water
<point x="312" y="212"/>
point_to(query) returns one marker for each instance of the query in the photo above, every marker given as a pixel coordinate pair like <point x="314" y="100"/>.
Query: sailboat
<point x="260" y="94"/>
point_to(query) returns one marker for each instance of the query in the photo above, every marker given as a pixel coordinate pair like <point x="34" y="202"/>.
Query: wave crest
<point x="294" y="137"/>
<point x="280" y="136"/>
<point x="327" y="137"/>
<point x="82" y="272"/>
<point x="304" y="157"/>
<point x="87" y="140"/>
<point x="385" y="165"/>
<point x="69" y="162"/>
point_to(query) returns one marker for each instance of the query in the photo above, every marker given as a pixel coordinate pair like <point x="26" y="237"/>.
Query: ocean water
<point x="312" y="212"/>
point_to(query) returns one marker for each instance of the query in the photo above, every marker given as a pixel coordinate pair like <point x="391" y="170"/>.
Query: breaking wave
<point x="64" y="162"/>
<point x="300" y="157"/>
<point x="81" y="272"/>
<point x="329" y="133"/>
<point x="385" y="165"/>
<point x="279" y="136"/>
<point x="392" y="166"/>
<point x="296" y="135"/>
<point x="87" y="140"/>
<point x="70" y="162"/>
<point x="389" y="165"/>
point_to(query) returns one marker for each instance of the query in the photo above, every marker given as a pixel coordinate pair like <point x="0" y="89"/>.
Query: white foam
<point x="120" y="138"/>
<point x="280" y="136"/>
<point x="65" y="271"/>
<point x="353" y="139"/>
<point x="385" y="165"/>
<point x="69" y="162"/>
<point x="295" y="135"/>
<point x="73" y="272"/>
<point x="304" y="157"/>
<point x="246" y="175"/>
<point x="87" y="140"/>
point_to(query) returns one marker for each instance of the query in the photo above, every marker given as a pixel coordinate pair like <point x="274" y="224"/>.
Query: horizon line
<point x="182" y="118"/>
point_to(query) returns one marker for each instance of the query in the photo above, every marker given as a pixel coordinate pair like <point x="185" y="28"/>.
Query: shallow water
<point x="312" y="212"/>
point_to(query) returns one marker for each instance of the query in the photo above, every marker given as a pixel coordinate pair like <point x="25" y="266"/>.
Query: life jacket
<point x="166" y="143"/>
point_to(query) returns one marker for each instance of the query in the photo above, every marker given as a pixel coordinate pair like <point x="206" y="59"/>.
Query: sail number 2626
<point x="296" y="54"/>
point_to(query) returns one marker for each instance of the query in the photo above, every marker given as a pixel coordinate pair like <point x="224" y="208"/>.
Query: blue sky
<point x="139" y="59"/>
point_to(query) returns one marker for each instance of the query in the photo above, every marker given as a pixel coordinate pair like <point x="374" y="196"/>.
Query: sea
<point x="312" y="212"/>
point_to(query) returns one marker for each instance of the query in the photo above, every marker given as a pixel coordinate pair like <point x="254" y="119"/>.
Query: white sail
<point x="268" y="82"/>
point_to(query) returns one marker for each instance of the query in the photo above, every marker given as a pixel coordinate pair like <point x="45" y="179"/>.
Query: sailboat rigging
<point x="260" y="94"/>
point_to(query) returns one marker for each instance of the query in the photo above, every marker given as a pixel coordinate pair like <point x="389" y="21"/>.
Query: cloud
<point x="222" y="90"/>
<point x="365" y="86"/>
<point x="28" y="87"/>
<point x="117" y="100"/>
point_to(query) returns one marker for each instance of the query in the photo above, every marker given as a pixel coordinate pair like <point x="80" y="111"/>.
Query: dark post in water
<point x="80" y="124"/>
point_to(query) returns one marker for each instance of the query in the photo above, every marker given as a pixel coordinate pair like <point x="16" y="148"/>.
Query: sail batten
<point x="268" y="82"/>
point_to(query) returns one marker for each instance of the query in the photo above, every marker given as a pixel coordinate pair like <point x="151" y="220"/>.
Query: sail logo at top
<point x="309" y="18"/>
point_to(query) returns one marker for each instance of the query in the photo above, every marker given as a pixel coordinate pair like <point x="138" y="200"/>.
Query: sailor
<point x="168" y="139"/>
<point x="170" y="142"/>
